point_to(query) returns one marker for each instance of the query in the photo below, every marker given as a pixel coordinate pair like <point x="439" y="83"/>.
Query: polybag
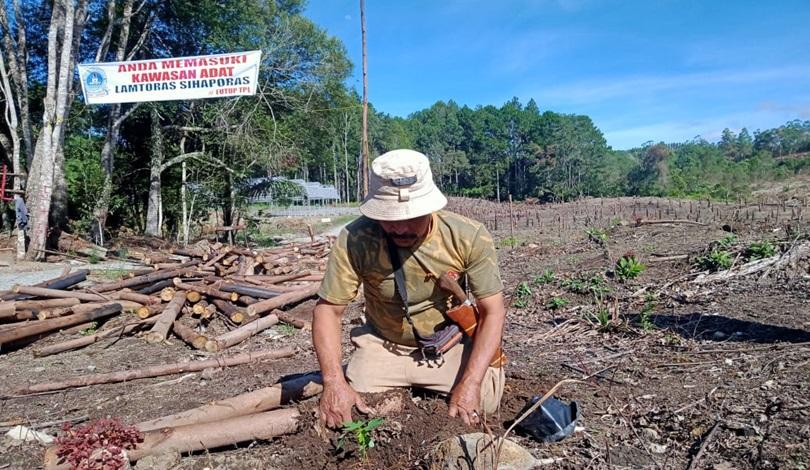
<point x="550" y="422"/>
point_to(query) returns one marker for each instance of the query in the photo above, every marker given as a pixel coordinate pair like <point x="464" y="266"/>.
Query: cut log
<point x="77" y="343"/>
<point x="160" y="330"/>
<point x="287" y="391"/>
<point x="46" y="304"/>
<point x="251" y="291"/>
<point x="59" y="294"/>
<point x="7" y="310"/>
<point x="61" y="282"/>
<point x="199" y="307"/>
<point x="240" y="334"/>
<point x="282" y="300"/>
<point x="148" y="311"/>
<point x="156" y="287"/>
<point x="154" y="371"/>
<point x="208" y="291"/>
<point x="212" y="261"/>
<point x="189" y="336"/>
<point x="247" y="300"/>
<point x="187" y="439"/>
<point x="20" y="315"/>
<point x="289" y="319"/>
<point x="47" y="326"/>
<point x="167" y="294"/>
<point x="136" y="297"/>
<point x="193" y="297"/>
<point x="149" y="278"/>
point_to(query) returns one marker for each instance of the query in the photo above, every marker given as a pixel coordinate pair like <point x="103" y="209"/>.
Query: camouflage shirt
<point x="360" y="256"/>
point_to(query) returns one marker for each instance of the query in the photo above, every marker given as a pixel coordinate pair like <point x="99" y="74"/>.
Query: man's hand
<point x="336" y="404"/>
<point x="465" y="399"/>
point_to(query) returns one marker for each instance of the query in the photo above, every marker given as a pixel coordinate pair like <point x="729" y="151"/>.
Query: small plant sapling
<point x="644" y="316"/>
<point x="759" y="250"/>
<point x="362" y="432"/>
<point x="716" y="260"/>
<point x="557" y="302"/>
<point x="628" y="267"/>
<point x="522" y="295"/>
<point x="597" y="235"/>
<point x="547" y="277"/>
<point x="97" y="445"/>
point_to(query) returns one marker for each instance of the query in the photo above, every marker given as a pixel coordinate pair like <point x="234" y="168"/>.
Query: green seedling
<point x="645" y="314"/>
<point x="362" y="432"/>
<point x="557" y="302"/>
<point x="715" y="261"/>
<point x="510" y="242"/>
<point x="597" y="235"/>
<point x="759" y="250"/>
<point x="728" y="241"/>
<point x="595" y="285"/>
<point x="89" y="330"/>
<point x="601" y="317"/>
<point x="547" y="277"/>
<point x="522" y="295"/>
<point x="628" y="267"/>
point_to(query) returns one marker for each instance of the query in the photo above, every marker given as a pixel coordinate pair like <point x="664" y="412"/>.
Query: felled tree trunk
<point x="205" y="436"/>
<point x="288" y="391"/>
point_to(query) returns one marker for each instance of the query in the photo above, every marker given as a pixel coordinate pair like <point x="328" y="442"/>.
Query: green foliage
<point x="90" y="330"/>
<point x="594" y="284"/>
<point x="728" y="241"/>
<point x="645" y="314"/>
<point x="547" y="277"/>
<point x="522" y="295"/>
<point x="362" y="433"/>
<point x="597" y="235"/>
<point x="85" y="181"/>
<point x="759" y="250"/>
<point x="557" y="302"/>
<point x="716" y="260"/>
<point x="601" y="316"/>
<point x="510" y="242"/>
<point x="628" y="267"/>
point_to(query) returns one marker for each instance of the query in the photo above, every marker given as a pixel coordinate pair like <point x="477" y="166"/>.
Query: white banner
<point x="183" y="78"/>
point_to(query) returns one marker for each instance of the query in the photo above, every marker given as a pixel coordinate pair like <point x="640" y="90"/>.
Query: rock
<point x="164" y="461"/>
<point x="650" y="434"/>
<point x="474" y="451"/>
<point x="22" y="433"/>
<point x="718" y="336"/>
<point x="657" y="448"/>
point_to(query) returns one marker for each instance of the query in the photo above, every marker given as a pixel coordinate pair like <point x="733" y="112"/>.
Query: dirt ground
<point x="687" y="375"/>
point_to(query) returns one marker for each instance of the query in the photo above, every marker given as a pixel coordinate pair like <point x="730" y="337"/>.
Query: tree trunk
<point x="11" y="120"/>
<point x="155" y="168"/>
<point x="50" y="138"/>
<point x="364" y="170"/>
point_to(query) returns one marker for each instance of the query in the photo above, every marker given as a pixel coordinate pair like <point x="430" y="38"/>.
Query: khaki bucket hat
<point x="401" y="187"/>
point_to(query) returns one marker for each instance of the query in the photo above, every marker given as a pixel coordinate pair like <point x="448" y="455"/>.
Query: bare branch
<point x="180" y="158"/>
<point x="104" y="46"/>
<point x="124" y="116"/>
<point x="147" y="28"/>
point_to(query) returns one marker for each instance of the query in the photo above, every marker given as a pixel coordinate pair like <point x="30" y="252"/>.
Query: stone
<point x="165" y="461"/>
<point x="478" y="450"/>
<point x="22" y="433"/>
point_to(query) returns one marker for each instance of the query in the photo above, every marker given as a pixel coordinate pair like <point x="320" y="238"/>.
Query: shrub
<point x="759" y="250"/>
<point x="628" y="267"/>
<point x="715" y="261"/>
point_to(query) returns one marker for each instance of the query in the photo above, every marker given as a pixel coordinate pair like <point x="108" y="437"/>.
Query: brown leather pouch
<point x="466" y="317"/>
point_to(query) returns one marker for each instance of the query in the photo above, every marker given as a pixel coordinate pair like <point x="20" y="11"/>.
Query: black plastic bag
<point x="551" y="422"/>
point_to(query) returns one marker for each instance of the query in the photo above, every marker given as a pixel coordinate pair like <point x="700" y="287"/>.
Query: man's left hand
<point x="465" y="399"/>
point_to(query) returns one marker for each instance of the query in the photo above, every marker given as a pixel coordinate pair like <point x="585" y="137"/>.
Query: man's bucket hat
<point x="401" y="187"/>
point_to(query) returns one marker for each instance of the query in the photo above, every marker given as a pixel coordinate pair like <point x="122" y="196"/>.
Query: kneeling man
<point x="403" y="250"/>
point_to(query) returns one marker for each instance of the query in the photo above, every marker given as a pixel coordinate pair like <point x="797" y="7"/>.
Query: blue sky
<point x="661" y="70"/>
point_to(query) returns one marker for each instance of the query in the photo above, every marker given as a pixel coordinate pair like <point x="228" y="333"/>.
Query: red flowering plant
<point x="98" y="445"/>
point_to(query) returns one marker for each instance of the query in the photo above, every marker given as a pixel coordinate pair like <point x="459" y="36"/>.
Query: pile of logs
<point x="187" y="292"/>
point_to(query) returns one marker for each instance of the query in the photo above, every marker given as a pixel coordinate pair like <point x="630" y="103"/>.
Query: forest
<point x="155" y="168"/>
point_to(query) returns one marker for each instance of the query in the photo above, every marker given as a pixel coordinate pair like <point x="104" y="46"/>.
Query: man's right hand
<point x="336" y="404"/>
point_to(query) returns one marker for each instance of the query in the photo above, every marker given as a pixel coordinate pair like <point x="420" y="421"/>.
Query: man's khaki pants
<point x="378" y="365"/>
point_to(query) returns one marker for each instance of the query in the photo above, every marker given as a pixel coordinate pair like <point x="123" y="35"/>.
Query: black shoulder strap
<point x="399" y="280"/>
